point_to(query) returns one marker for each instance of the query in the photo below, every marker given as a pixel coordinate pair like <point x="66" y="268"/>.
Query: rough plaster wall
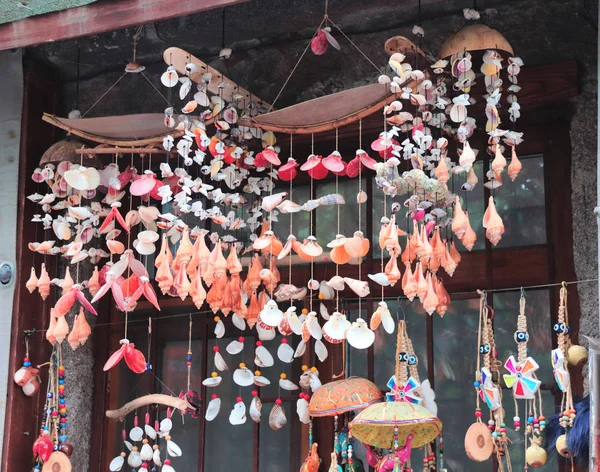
<point x="541" y="31"/>
<point x="11" y="97"/>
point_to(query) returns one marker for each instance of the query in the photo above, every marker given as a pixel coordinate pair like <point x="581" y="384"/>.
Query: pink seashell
<point x="143" y="185"/>
<point x="311" y="162"/>
<point x="319" y="43"/>
<point x="288" y="171"/>
<point x="333" y="162"/>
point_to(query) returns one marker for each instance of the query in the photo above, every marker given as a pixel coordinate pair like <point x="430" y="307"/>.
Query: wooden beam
<point x="100" y="17"/>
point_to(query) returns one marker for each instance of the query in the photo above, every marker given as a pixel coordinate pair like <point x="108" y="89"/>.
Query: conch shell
<point x="459" y="222"/>
<point x="515" y="166"/>
<point x="359" y="287"/>
<point x="499" y="162"/>
<point x="493" y="223"/>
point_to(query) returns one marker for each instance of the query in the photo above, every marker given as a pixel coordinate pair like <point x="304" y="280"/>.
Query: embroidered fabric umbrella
<point x="340" y="396"/>
<point x="375" y="425"/>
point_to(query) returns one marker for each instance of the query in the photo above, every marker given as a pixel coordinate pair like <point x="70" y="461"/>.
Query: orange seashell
<point x="515" y="166"/>
<point x="443" y="298"/>
<point x="454" y="254"/>
<point x="214" y="297"/>
<point x="424" y="249"/>
<point x="413" y="243"/>
<point x="182" y="283"/>
<point x="190" y="106"/>
<point x="437" y="244"/>
<point x="61" y="330"/>
<point x="421" y="281"/>
<point x="253" y="279"/>
<point x="253" y="311"/>
<point x="217" y="260"/>
<point x="357" y="245"/>
<point x="164" y="253"/>
<point x="493" y="223"/>
<point x="441" y="171"/>
<point x="209" y="274"/>
<point x="297" y="247"/>
<point x="409" y="285"/>
<point x="94" y="282"/>
<point x="430" y="301"/>
<point x="43" y="284"/>
<point x="384" y="232"/>
<point x="262" y="300"/>
<point x="197" y="290"/>
<point x="73" y="338"/>
<point x="499" y="162"/>
<point x="31" y="284"/>
<point x="459" y="222"/>
<point x="50" y="331"/>
<point x="434" y="264"/>
<point x="339" y="255"/>
<point x="274" y="247"/>
<point x="115" y="247"/>
<point x="311" y="247"/>
<point x="234" y="266"/>
<point x="85" y="330"/>
<point x="185" y="250"/>
<point x="130" y="285"/>
<point x="448" y="263"/>
<point x="391" y="269"/>
<point x="164" y="276"/>
<point x="227" y="305"/>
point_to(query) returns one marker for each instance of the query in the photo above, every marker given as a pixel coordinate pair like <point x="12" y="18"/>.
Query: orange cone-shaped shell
<point x="441" y="171"/>
<point x="499" y="162"/>
<point x="493" y="223"/>
<point x="469" y="238"/>
<point x="214" y="297"/>
<point x="459" y="222"/>
<point x="443" y="298"/>
<point x="67" y="282"/>
<point x="434" y="264"/>
<point x="391" y="269"/>
<point x="425" y="250"/>
<point x="51" y="327"/>
<point x="448" y="263"/>
<point x="253" y="279"/>
<point x="227" y="305"/>
<point x="421" y="281"/>
<point x="262" y="300"/>
<point x="164" y="253"/>
<point x="164" y="276"/>
<point x="61" y="330"/>
<point x="253" y="311"/>
<point x="32" y="282"/>
<point x="185" y="251"/>
<point x="44" y="283"/>
<point x="94" y="282"/>
<point x="410" y="286"/>
<point x="430" y="301"/>
<point x="182" y="283"/>
<point x="198" y="292"/>
<point x="85" y="330"/>
<point x="515" y="166"/>
<point x="384" y="233"/>
<point x="235" y="285"/>
<point x="437" y="244"/>
<point x="454" y="254"/>
<point x="234" y="266"/>
<point x="217" y="260"/>
<point x="73" y="338"/>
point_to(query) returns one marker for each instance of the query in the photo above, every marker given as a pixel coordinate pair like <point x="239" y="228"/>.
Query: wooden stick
<point x="167" y="400"/>
<point x="120" y="150"/>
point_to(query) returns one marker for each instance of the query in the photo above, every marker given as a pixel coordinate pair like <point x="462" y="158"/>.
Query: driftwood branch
<point x="167" y="400"/>
<point x="120" y="150"/>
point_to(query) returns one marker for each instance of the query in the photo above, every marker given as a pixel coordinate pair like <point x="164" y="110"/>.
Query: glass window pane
<point x="221" y="436"/>
<point x="521" y="204"/>
<point x="275" y="446"/>
<point x="273" y="372"/>
<point x="326" y="216"/>
<point x="455" y="348"/>
<point x="539" y="326"/>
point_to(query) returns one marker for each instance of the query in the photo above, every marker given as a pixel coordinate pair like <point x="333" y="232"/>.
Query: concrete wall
<point x="11" y="97"/>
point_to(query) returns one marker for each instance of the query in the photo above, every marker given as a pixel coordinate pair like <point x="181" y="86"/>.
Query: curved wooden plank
<point x="160" y="399"/>
<point x="52" y="119"/>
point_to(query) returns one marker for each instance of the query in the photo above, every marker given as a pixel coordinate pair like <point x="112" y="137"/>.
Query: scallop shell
<point x="336" y="282"/>
<point x="358" y="245"/>
<point x="311" y="247"/>
<point x="212" y="410"/>
<point x="264" y="357"/>
<point x="277" y="419"/>
<point x="212" y="381"/>
<point x="302" y="410"/>
<point x="287" y="385"/>
<point x="238" y="414"/>
<point x="285" y="353"/>
<point x="335" y="329"/>
<point x="115" y="247"/>
<point x="359" y="287"/>
<point x="360" y="336"/>
<point x="271" y="315"/>
<point x="380" y="278"/>
<point x="243" y="377"/>
<point x="265" y="334"/>
<point x="255" y="407"/>
<point x="311" y="324"/>
<point x="234" y="347"/>
<point x="321" y="350"/>
<point x="220" y="363"/>
<point x="300" y="349"/>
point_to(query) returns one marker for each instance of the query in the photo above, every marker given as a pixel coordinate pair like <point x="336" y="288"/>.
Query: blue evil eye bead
<point x="413" y="360"/>
<point x="476" y="384"/>
<point x="484" y="349"/>
<point x="403" y="357"/>
<point x="567" y="329"/>
<point x="521" y="336"/>
<point x="559" y="328"/>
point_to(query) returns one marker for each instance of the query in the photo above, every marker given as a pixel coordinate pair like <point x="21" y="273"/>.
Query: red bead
<point x="503" y="430"/>
<point x="301" y="394"/>
<point x="278" y="401"/>
<point x="63" y="420"/>
<point x="284" y="340"/>
<point x="241" y="339"/>
<point x="189" y="363"/>
<point x="478" y="414"/>
<point x="536" y="421"/>
<point x="258" y="343"/>
<point x="216" y="348"/>
<point x="55" y="413"/>
<point x="239" y="399"/>
<point x="167" y="462"/>
<point x="255" y="393"/>
<point x="214" y="395"/>
<point x="517" y="424"/>
<point x="26" y="359"/>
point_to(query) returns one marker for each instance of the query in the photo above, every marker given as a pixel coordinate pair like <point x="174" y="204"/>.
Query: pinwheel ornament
<point x="403" y="392"/>
<point x="560" y="370"/>
<point x="521" y="377"/>
<point x="488" y="392"/>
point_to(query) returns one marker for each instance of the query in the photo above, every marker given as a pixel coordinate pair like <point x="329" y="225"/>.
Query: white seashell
<point x="146" y="452"/>
<point x="315" y="382"/>
<point x="271" y="315"/>
<point x="277" y="419"/>
<point x="255" y="407"/>
<point x="335" y="329"/>
<point x="173" y="449"/>
<point x="288" y="385"/>
<point x="220" y="329"/>
<point x="361" y="197"/>
<point x="360" y="287"/>
<point x="302" y="410"/>
<point x="265" y="334"/>
<point x="336" y="282"/>
<point x="323" y="311"/>
<point x="212" y="410"/>
<point x="156" y="458"/>
<point x="261" y="381"/>
<point x="313" y="284"/>
<point x="136" y="434"/>
<point x="165" y="468"/>
<point x="238" y="414"/>
<point x="116" y="464"/>
<point x="150" y="431"/>
<point x="264" y="357"/>
<point x="325" y="291"/>
<point x="285" y="353"/>
<point x="300" y="349"/>
<point x="293" y="320"/>
<point x="134" y="460"/>
<point x="234" y="347"/>
<point x="212" y="381"/>
<point x="243" y="377"/>
<point x="220" y="363"/>
<point x="128" y="445"/>
<point x="360" y="336"/>
<point x="239" y="323"/>
<point x="166" y="425"/>
<point x="387" y="321"/>
<point x="380" y="278"/>
<point x="321" y="350"/>
<point x="270" y="202"/>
